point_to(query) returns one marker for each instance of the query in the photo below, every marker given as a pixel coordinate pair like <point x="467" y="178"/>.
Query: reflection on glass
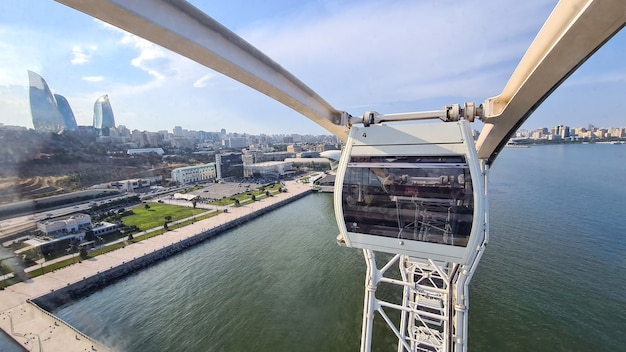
<point x="425" y="199"/>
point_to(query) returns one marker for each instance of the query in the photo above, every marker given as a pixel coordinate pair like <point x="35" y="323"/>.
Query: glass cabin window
<point x="427" y="199"/>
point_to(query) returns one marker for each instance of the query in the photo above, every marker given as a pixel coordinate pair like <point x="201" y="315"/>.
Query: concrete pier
<point x="23" y="318"/>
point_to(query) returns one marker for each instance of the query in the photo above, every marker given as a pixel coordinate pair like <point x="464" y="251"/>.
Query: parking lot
<point x="221" y="190"/>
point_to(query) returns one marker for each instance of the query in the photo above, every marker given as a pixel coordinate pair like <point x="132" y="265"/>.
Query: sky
<point x="359" y="55"/>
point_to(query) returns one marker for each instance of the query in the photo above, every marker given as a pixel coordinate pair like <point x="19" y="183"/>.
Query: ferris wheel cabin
<point x="416" y="190"/>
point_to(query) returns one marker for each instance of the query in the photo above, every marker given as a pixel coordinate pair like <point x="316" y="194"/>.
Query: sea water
<point x="551" y="279"/>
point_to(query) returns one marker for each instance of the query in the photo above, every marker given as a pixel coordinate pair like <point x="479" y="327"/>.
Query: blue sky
<point x="387" y="56"/>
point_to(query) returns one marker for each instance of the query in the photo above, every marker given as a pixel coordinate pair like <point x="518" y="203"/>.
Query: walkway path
<point x="36" y="330"/>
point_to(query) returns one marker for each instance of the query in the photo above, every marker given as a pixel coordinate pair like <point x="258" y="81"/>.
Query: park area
<point x="156" y="214"/>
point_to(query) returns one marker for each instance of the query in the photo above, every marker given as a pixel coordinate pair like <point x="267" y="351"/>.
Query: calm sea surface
<point x="552" y="278"/>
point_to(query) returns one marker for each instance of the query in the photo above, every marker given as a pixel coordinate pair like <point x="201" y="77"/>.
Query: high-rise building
<point x="228" y="165"/>
<point x="238" y="142"/>
<point x="50" y="112"/>
<point x="43" y="105"/>
<point x="565" y="132"/>
<point x="103" y="118"/>
<point x="69" y="121"/>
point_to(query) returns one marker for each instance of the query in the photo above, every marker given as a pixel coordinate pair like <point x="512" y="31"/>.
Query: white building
<point x="158" y="151"/>
<point x="273" y="169"/>
<point x="131" y="185"/>
<point x="235" y="142"/>
<point x="103" y="228"/>
<point x="61" y="227"/>
<point x="191" y="174"/>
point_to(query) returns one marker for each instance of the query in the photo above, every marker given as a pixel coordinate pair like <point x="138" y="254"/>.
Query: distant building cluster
<point x="52" y="112"/>
<point x="255" y="163"/>
<point x="563" y="133"/>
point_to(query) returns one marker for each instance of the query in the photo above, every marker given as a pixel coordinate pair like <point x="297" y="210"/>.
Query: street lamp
<point x="71" y="250"/>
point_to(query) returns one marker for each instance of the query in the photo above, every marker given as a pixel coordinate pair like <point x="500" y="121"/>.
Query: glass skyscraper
<point x="103" y="118"/>
<point x="43" y="105"/>
<point x="69" y="121"/>
<point x="50" y="112"/>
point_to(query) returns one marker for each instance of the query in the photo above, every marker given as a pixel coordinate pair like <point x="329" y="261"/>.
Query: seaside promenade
<point x="37" y="330"/>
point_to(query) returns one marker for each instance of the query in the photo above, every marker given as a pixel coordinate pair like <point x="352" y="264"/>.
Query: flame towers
<point x="69" y="121"/>
<point x="103" y="118"/>
<point x="50" y="112"/>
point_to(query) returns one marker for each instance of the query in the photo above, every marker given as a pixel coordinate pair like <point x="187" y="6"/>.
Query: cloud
<point x="151" y="59"/>
<point x="149" y="55"/>
<point x="79" y="57"/>
<point x="93" y="78"/>
<point x="202" y="82"/>
<point x="406" y="50"/>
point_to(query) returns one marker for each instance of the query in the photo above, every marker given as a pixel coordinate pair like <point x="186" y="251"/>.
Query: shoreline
<point x="23" y="306"/>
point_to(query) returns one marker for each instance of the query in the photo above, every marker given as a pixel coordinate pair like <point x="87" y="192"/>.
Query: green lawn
<point x="155" y="216"/>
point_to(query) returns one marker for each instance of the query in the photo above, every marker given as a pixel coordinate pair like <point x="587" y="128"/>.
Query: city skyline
<point x="179" y="131"/>
<point x="399" y="64"/>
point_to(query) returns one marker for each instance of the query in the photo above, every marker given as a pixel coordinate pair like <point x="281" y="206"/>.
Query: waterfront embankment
<point x="35" y="329"/>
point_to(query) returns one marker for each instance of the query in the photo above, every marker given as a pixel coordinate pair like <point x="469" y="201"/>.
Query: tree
<point x="130" y="237"/>
<point x="89" y="236"/>
<point x="147" y="206"/>
<point x="168" y="218"/>
<point x="194" y="202"/>
<point x="165" y="227"/>
<point x="83" y="252"/>
<point x="253" y="198"/>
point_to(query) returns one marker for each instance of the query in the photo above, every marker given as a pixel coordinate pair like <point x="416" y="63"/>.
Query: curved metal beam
<point x="572" y="33"/>
<point x="182" y="28"/>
